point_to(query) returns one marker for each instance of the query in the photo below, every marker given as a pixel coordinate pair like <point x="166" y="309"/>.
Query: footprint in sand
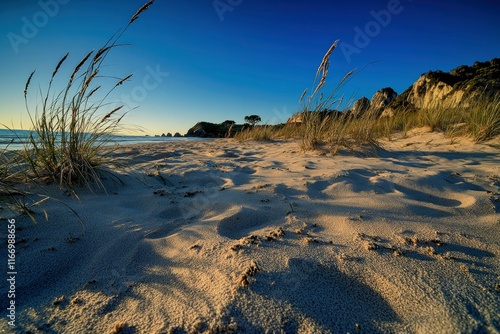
<point x="439" y="197"/>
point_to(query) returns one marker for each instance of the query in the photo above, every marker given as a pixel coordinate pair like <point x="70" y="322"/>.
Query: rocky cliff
<point x="213" y="130"/>
<point x="448" y="89"/>
<point x="361" y="106"/>
<point x="377" y="104"/>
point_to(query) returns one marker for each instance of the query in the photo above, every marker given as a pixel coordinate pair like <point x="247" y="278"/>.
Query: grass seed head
<point x="140" y="10"/>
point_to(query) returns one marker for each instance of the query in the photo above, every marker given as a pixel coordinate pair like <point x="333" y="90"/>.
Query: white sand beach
<point x="255" y="237"/>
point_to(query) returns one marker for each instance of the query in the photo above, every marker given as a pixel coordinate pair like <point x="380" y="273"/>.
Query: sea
<point x="11" y="140"/>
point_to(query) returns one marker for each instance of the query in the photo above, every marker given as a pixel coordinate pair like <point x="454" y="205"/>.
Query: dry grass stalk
<point x="302" y="96"/>
<point x="79" y="66"/>
<point x="108" y="115"/>
<point x="28" y="83"/>
<point x="99" y="53"/>
<point x="123" y="80"/>
<point x="59" y="65"/>
<point x="90" y="78"/>
<point x="324" y="66"/>
<point x="93" y="91"/>
<point x="140" y="10"/>
<point x="69" y="131"/>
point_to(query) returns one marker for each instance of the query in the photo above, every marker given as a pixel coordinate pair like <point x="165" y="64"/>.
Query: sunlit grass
<point x="69" y="130"/>
<point x="71" y="127"/>
<point x="257" y="132"/>
<point x="483" y="118"/>
<point x="320" y="126"/>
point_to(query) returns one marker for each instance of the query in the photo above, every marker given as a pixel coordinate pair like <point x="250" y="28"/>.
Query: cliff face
<point x="381" y="99"/>
<point x="460" y="85"/>
<point x="361" y="106"/>
<point x="377" y="105"/>
<point x="428" y="91"/>
<point x="436" y="88"/>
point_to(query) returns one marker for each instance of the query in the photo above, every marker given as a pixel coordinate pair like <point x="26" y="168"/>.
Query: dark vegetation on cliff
<point x="213" y="130"/>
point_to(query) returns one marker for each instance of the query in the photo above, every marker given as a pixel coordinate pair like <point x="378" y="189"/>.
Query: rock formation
<point x="212" y="130"/>
<point x="295" y="118"/>
<point x="431" y="90"/>
<point x="381" y="99"/>
<point x="360" y="106"/>
<point x="460" y="85"/>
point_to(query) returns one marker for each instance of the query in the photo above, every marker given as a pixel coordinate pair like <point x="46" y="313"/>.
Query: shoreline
<point x="121" y="139"/>
<point x="248" y="237"/>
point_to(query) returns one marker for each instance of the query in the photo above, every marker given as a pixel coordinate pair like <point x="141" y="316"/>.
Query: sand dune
<point x="220" y="236"/>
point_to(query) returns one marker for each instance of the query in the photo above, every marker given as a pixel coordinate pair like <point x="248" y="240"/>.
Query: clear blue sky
<point x="225" y="59"/>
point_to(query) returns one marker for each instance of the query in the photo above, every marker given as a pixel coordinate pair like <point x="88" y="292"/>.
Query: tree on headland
<point x="228" y="123"/>
<point x="253" y="119"/>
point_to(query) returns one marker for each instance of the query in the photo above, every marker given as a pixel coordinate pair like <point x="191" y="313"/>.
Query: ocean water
<point x="16" y="139"/>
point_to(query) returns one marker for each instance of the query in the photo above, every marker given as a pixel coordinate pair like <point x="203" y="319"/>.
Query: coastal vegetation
<point x="470" y="107"/>
<point x="69" y="129"/>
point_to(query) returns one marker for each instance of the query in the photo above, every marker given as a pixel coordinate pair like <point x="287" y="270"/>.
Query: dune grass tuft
<point x="9" y="176"/>
<point x="257" y="132"/>
<point x="70" y="128"/>
<point x="483" y="118"/>
<point x="477" y="118"/>
<point x="322" y="124"/>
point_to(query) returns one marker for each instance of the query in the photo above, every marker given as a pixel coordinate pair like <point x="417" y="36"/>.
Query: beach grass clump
<point x="440" y="117"/>
<point x="256" y="132"/>
<point x="363" y="132"/>
<point x="71" y="127"/>
<point x="401" y="122"/>
<point x="5" y="168"/>
<point x="9" y="177"/>
<point x="483" y="118"/>
<point x="477" y="118"/>
<point x="314" y="127"/>
<point x="323" y="124"/>
<point x="286" y="131"/>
